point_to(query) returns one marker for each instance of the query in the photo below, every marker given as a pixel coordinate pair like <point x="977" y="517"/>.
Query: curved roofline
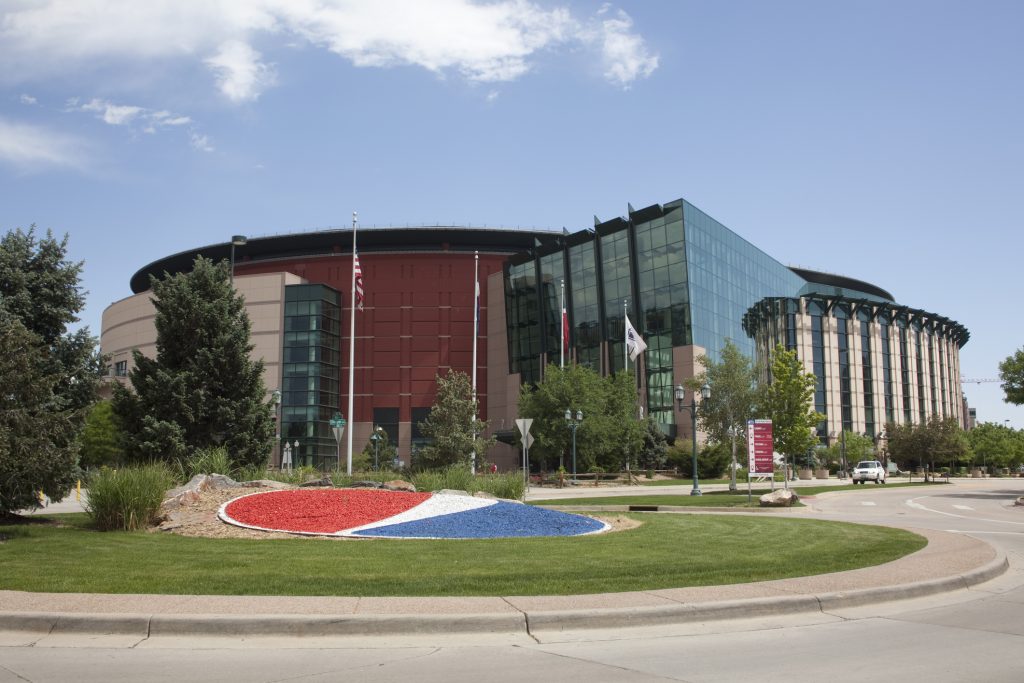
<point x="889" y="310"/>
<point x="339" y="241"/>
<point x="833" y="280"/>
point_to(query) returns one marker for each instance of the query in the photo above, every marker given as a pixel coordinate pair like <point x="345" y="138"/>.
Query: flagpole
<point x="625" y="342"/>
<point x="476" y="333"/>
<point x="561" y="324"/>
<point x="351" y="353"/>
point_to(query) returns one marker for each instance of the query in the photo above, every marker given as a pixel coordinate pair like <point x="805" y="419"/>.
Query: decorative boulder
<point x="779" y="498"/>
<point x="323" y="481"/>
<point x="452" y="492"/>
<point x="189" y="493"/>
<point x="266" y="484"/>
<point x="399" y="485"/>
<point x="364" y="484"/>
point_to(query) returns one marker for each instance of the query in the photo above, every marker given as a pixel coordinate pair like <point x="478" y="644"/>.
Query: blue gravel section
<point x="501" y="520"/>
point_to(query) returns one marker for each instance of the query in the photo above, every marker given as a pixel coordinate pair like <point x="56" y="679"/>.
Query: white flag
<point x="635" y="344"/>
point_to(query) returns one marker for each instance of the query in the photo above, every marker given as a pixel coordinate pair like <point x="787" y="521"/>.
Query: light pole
<point x="277" y="418"/>
<point x="295" y="449"/>
<point x="376" y="444"/>
<point x="705" y="393"/>
<point x="573" y="426"/>
<point x="236" y="241"/>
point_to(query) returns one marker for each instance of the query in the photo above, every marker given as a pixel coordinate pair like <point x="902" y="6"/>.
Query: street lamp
<point x="377" y="431"/>
<point x="236" y="241"/>
<point x="573" y="426"/>
<point x="276" y="397"/>
<point x="705" y="393"/>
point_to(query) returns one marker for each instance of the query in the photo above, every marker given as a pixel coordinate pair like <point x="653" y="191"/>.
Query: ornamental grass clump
<point x="508" y="485"/>
<point x="129" y="498"/>
<point x="214" y="460"/>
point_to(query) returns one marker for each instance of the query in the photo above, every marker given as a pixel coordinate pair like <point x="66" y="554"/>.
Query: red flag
<point x="359" y="282"/>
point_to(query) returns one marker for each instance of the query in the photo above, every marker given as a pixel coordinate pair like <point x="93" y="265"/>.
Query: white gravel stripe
<point x="438" y="504"/>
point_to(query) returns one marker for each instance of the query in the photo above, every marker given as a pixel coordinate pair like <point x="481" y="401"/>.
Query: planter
<point x="975" y="474"/>
<point x="804" y="474"/>
<point x="821" y="474"/>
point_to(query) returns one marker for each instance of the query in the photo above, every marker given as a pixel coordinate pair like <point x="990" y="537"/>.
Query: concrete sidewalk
<point x="949" y="562"/>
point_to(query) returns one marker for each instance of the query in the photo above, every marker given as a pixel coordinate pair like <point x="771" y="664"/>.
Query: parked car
<point x="869" y="470"/>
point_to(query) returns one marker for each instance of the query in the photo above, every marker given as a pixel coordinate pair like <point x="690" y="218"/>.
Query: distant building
<point x="686" y="282"/>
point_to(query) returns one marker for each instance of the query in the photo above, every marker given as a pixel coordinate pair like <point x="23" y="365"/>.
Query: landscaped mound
<point x="399" y="514"/>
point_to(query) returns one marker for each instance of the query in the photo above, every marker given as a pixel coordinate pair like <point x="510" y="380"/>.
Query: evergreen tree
<point x="455" y="432"/>
<point x="787" y="400"/>
<point x="202" y="390"/>
<point x="100" y="437"/>
<point x="50" y="376"/>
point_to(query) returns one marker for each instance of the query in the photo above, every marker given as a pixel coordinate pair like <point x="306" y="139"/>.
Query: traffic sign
<point x="338" y="427"/>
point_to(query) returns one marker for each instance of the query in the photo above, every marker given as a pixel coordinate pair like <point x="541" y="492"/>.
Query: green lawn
<point x="723" y="499"/>
<point x="718" y="499"/>
<point x="665" y="551"/>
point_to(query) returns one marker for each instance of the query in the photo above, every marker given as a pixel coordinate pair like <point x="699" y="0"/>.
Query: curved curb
<point x="523" y="622"/>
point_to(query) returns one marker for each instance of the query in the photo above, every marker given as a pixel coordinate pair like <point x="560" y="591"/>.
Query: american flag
<point x="359" y="282"/>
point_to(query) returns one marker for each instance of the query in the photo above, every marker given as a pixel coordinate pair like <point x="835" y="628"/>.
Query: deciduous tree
<point x="733" y="382"/>
<point x="787" y="401"/>
<point x="1011" y="371"/>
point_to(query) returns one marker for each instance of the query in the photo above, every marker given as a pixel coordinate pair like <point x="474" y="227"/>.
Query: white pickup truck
<point x="868" y="470"/>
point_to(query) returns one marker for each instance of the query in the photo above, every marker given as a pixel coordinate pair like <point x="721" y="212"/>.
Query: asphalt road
<point x="970" y="635"/>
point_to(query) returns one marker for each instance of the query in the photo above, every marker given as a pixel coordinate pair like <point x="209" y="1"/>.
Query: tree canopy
<point x="202" y="389"/>
<point x="1011" y="371"/>
<point x="787" y="401"/>
<point x="610" y="431"/>
<point x="50" y="376"/>
<point x="455" y="431"/>
<point x="996" y="445"/>
<point x="938" y="442"/>
<point x="734" y="387"/>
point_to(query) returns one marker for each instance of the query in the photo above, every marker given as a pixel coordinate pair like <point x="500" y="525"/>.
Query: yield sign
<point x="524" y="425"/>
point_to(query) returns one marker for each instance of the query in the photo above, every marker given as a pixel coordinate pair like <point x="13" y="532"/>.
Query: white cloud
<point x="492" y="95"/>
<point x="114" y="114"/>
<point x="200" y="142"/>
<point x="126" y="114"/>
<point x="241" y="76"/>
<point x="481" y="41"/>
<point x="31" y="147"/>
<point x="27" y="99"/>
<point x="624" y="53"/>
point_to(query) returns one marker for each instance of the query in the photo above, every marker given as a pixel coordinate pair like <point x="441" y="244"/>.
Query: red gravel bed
<point x="320" y="510"/>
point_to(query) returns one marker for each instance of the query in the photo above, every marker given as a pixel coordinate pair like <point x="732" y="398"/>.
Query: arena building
<point x="686" y="282"/>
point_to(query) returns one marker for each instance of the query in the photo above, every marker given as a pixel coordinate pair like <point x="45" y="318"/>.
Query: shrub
<point x="128" y="498"/>
<point x="457" y="477"/>
<point x="508" y="485"/>
<point x="214" y="460"/>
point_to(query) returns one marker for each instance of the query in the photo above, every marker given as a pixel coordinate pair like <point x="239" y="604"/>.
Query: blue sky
<point x="877" y="139"/>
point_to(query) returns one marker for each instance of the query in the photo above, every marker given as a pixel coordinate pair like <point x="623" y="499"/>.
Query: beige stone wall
<point x="128" y="324"/>
<point x="771" y="333"/>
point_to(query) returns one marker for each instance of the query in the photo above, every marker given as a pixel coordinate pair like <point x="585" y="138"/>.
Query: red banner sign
<point x="760" y="447"/>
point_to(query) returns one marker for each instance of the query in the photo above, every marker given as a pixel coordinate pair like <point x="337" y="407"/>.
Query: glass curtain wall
<point x="845" y="384"/>
<point x="311" y="368"/>
<point x="908" y="408"/>
<point x="616" y="277"/>
<point x="727" y="276"/>
<point x="586" y="315"/>
<point x="816" y="310"/>
<point x="890" y="412"/>
<point x="920" y="372"/>
<point x="552" y="274"/>
<point x="663" y="298"/>
<point x="523" y="320"/>
<point x="863" y="322"/>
